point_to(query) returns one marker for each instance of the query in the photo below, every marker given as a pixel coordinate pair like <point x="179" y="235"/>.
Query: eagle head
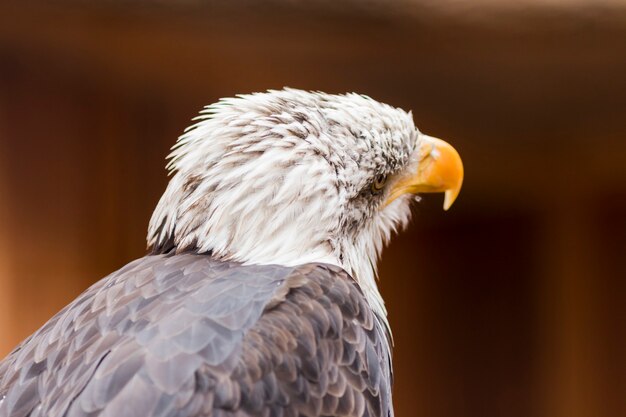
<point x="290" y="177"/>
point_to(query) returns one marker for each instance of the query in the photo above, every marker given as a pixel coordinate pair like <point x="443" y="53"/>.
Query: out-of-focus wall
<point x="512" y="304"/>
<point x="6" y="291"/>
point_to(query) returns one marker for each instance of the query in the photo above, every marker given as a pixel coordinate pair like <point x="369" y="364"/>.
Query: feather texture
<point x="292" y="170"/>
<point x="188" y="335"/>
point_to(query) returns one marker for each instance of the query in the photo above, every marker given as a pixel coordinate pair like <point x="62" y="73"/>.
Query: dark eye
<point x="379" y="183"/>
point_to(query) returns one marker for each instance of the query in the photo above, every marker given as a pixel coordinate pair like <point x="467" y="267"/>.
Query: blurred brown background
<point x="512" y="304"/>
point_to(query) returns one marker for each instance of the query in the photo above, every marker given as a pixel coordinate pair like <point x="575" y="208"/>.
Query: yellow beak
<point x="439" y="170"/>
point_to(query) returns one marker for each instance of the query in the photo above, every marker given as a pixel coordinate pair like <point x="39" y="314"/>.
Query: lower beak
<point x="439" y="170"/>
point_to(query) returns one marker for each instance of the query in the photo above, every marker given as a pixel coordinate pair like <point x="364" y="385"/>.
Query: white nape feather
<point x="284" y="177"/>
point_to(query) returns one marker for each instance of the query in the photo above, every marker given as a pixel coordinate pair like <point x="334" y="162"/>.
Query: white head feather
<point x="285" y="177"/>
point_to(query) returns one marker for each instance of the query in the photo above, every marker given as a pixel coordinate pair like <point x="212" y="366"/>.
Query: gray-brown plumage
<point x="187" y="335"/>
<point x="259" y="298"/>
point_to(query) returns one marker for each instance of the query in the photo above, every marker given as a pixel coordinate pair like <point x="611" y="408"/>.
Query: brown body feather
<point x="186" y="335"/>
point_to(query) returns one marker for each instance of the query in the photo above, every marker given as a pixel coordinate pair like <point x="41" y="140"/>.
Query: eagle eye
<point x="379" y="183"/>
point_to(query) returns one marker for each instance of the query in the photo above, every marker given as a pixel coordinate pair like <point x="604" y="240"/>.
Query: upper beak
<point x="439" y="170"/>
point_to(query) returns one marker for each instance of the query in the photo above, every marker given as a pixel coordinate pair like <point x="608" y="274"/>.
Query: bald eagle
<point x="258" y="296"/>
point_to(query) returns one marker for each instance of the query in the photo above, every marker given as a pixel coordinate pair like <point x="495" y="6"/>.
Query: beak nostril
<point x="439" y="169"/>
